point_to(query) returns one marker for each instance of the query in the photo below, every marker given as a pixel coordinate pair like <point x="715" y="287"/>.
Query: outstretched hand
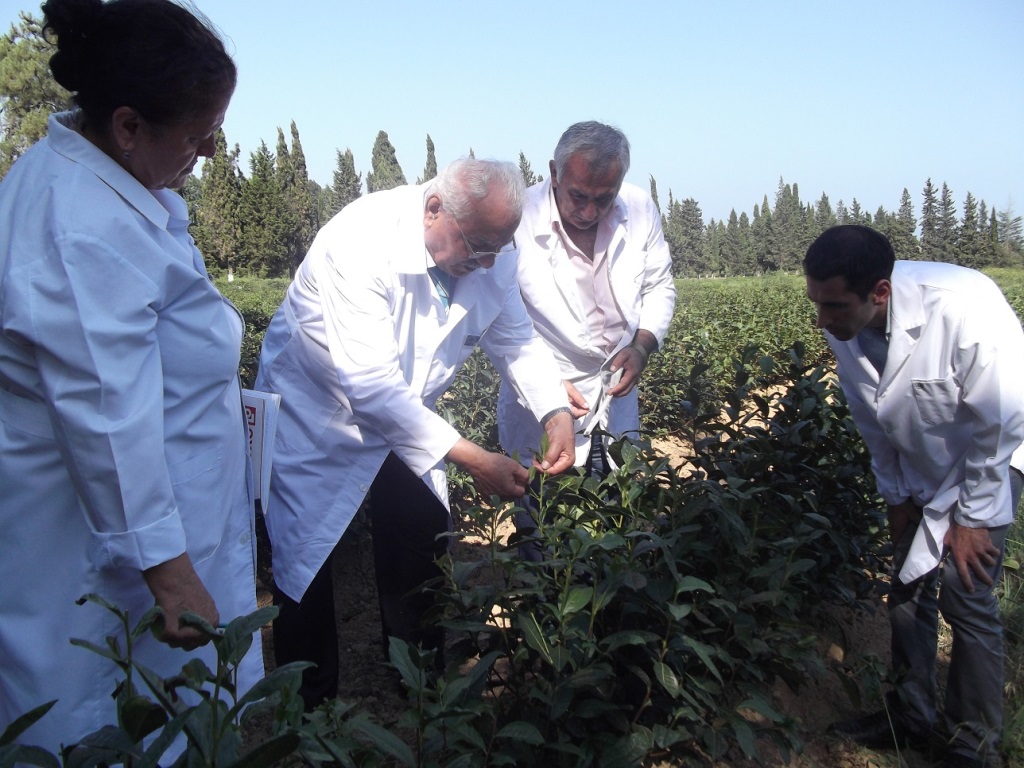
<point x="493" y="473"/>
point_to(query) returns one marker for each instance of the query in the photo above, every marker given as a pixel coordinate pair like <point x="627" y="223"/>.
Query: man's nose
<point x="485" y="261"/>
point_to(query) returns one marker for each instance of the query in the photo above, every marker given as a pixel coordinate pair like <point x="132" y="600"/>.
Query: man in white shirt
<point x="595" y="274"/>
<point x="931" y="359"/>
<point x="395" y="293"/>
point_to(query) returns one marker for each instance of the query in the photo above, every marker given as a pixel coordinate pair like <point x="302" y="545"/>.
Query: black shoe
<point x="879" y="730"/>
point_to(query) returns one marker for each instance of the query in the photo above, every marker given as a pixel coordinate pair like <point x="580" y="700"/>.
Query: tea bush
<point x="669" y="601"/>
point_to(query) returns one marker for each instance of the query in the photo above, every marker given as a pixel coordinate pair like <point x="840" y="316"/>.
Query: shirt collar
<point x="64" y="138"/>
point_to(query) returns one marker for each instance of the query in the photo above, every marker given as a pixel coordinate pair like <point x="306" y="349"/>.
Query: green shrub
<point x="669" y="601"/>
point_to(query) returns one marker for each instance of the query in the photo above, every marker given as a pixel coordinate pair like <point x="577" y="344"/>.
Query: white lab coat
<point x="359" y="351"/>
<point x="122" y="441"/>
<point x="641" y="279"/>
<point x="946" y="421"/>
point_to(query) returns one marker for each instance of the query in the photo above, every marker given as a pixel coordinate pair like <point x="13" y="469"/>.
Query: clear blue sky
<point x="719" y="99"/>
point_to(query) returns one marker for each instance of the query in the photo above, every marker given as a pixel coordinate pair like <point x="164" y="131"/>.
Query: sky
<point x="719" y="99"/>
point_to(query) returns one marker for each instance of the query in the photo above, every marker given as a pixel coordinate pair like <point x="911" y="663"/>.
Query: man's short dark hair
<point x="861" y="255"/>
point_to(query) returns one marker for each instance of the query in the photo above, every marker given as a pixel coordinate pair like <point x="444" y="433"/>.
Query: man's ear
<point x="125" y="126"/>
<point x="431" y="209"/>
<point x="881" y="292"/>
<point x="551" y="170"/>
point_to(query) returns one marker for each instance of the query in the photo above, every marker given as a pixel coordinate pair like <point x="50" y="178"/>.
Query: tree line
<point x="776" y="238"/>
<point x="262" y="222"/>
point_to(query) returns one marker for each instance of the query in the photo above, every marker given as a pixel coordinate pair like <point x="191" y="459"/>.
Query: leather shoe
<point x="880" y="730"/>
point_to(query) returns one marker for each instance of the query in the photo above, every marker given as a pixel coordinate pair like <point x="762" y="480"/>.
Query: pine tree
<point x="217" y="224"/>
<point x="930" y="245"/>
<point x="1009" y="236"/>
<point x="968" y="246"/>
<point x="823" y="215"/>
<point x="843" y="214"/>
<point x="904" y="242"/>
<point x="266" y="218"/>
<point x="28" y="92"/>
<point x="430" y="169"/>
<point x="386" y="173"/>
<point x="947" y="231"/>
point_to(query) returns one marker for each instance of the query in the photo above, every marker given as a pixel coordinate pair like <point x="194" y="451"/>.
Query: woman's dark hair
<point x="151" y="55"/>
<point x="859" y="254"/>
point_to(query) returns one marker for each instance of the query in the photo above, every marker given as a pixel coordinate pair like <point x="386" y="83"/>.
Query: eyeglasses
<point x="477" y="255"/>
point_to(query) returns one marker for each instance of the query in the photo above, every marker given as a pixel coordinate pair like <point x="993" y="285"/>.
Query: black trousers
<point x="405" y="521"/>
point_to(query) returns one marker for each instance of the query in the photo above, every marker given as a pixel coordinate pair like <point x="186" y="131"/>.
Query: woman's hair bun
<point x="74" y="22"/>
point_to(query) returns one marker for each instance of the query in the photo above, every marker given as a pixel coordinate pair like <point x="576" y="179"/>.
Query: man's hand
<point x="577" y="404"/>
<point x="900" y="517"/>
<point x="632" y="362"/>
<point x="972" y="550"/>
<point x="493" y="473"/>
<point x="561" y="453"/>
<point x="176" y="587"/>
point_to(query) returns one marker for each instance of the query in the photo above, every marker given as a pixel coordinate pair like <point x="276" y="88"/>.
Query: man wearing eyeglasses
<point x="596" y="277"/>
<point x="395" y="293"/>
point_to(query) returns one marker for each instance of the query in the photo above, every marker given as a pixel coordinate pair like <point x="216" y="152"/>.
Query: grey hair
<point x="600" y="144"/>
<point x="467" y="180"/>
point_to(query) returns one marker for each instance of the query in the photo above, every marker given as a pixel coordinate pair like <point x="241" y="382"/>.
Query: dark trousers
<point x="973" y="712"/>
<point x="405" y="521"/>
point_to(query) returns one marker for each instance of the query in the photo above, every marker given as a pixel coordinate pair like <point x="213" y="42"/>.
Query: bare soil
<point x="369" y="682"/>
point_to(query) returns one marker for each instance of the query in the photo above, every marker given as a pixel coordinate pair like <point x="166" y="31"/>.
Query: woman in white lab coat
<point x="123" y="461"/>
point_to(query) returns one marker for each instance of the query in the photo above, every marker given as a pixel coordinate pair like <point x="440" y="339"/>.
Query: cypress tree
<point x="266" y="218"/>
<point x="217" y="225"/>
<point x="430" y="169"/>
<point x="529" y="177"/>
<point x="386" y="173"/>
<point x="347" y="184"/>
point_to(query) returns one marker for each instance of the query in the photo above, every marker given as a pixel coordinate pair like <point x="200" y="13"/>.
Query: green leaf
<point x="521" y="731"/>
<point x="20" y="754"/>
<point x="664" y="674"/>
<point x="21" y="724"/>
<point x="693" y="584"/>
<point x="141" y="716"/>
<point x="745" y="738"/>
<point x="579" y="597"/>
<point x="385" y="740"/>
<point x="533" y="635"/>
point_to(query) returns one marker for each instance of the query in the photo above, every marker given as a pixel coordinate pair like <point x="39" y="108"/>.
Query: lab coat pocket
<point x="197" y="484"/>
<point x="937" y="399"/>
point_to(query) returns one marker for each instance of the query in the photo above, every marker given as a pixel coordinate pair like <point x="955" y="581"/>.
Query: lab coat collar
<point x="906" y="318"/>
<point x="411" y="256"/>
<point x="64" y="139"/>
